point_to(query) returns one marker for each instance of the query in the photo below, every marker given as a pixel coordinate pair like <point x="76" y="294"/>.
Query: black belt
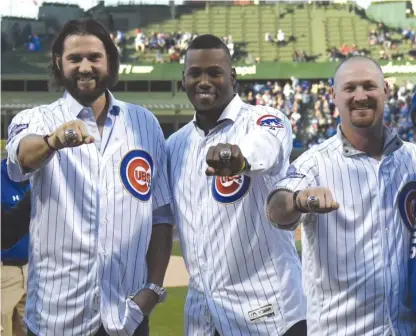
<point x="14" y="262"/>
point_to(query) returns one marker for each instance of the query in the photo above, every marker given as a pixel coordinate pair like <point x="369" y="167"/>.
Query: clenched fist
<point x="59" y="139"/>
<point x="318" y="200"/>
<point x="221" y="166"/>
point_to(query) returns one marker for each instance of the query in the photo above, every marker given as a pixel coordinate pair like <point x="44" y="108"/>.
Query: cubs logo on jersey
<point x="407" y="209"/>
<point x="230" y="189"/>
<point x="270" y="121"/>
<point x="406" y="201"/>
<point x="136" y="170"/>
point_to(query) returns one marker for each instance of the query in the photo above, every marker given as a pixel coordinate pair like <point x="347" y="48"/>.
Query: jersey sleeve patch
<point x="16" y="129"/>
<point x="270" y="120"/>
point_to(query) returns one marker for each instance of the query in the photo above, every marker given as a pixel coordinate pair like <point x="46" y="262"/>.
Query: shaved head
<point x="359" y="93"/>
<point x="354" y="59"/>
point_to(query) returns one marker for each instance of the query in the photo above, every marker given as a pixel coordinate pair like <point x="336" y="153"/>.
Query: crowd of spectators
<point x="168" y="47"/>
<point x="312" y="113"/>
<point x="337" y="54"/>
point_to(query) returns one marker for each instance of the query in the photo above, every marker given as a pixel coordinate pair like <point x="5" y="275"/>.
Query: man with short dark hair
<point x="244" y="275"/>
<point x="354" y="195"/>
<point x="100" y="230"/>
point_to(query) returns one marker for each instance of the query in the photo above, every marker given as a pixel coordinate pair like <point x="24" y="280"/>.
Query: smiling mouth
<point x="205" y="95"/>
<point x="85" y="80"/>
<point x="362" y="108"/>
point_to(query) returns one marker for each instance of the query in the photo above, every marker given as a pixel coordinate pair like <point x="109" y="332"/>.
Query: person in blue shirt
<point x="15" y="219"/>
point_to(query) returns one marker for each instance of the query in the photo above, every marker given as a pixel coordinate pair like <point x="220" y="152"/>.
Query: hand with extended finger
<point x="71" y="134"/>
<point x="318" y="200"/>
<point x="224" y="160"/>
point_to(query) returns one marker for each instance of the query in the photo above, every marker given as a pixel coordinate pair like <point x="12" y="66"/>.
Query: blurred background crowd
<point x="313" y="114"/>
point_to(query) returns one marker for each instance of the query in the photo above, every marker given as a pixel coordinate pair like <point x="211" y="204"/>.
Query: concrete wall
<point x="61" y="13"/>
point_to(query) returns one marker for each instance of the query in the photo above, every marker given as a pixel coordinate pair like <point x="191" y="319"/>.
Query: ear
<point x="58" y="61"/>
<point x="332" y="92"/>
<point x="386" y="89"/>
<point x="233" y="76"/>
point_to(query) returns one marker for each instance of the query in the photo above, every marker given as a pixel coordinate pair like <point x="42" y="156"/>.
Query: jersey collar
<point x="230" y="112"/>
<point x="392" y="142"/>
<point x="75" y="108"/>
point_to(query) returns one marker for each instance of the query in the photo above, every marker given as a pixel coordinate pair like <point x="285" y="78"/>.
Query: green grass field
<point x="167" y="318"/>
<point x="176" y="249"/>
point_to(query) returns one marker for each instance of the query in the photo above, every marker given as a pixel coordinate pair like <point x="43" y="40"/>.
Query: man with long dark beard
<point x="100" y="233"/>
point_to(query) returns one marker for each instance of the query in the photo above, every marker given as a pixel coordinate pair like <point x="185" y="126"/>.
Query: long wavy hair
<point x="85" y="26"/>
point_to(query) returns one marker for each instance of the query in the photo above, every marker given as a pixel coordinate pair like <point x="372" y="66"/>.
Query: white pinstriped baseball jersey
<point x="355" y="259"/>
<point x="91" y="219"/>
<point x="241" y="269"/>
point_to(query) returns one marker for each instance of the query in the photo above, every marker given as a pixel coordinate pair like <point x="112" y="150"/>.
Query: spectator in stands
<point x="159" y="57"/>
<point x="383" y="55"/>
<point x="161" y="43"/>
<point x="119" y="41"/>
<point x="354" y="50"/>
<point x="268" y="37"/>
<point x="170" y="41"/>
<point x="281" y="37"/>
<point x="230" y="45"/>
<point x="36" y="41"/>
<point x="381" y="28"/>
<point x="250" y="98"/>
<point x="381" y="36"/>
<point x="33" y="43"/>
<point x="295" y="56"/>
<point x="153" y="41"/>
<point x="372" y="37"/>
<point x="345" y="49"/>
<point x="303" y="56"/>
<point x="333" y="54"/>
<point x="174" y="55"/>
<point x="120" y="38"/>
<point x="140" y="41"/>
<point x="267" y="98"/>
<point x="30" y="43"/>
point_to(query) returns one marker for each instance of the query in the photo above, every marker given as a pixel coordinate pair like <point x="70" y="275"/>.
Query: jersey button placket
<point x="202" y="149"/>
<point x="384" y="179"/>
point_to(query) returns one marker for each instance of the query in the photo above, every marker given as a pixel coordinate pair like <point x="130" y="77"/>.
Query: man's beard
<point x="85" y="96"/>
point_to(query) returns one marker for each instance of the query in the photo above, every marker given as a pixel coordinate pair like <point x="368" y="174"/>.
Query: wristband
<point x="244" y="167"/>
<point x="295" y="204"/>
<point x="45" y="138"/>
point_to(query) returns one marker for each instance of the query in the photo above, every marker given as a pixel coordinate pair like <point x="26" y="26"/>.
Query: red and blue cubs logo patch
<point x="136" y="174"/>
<point x="406" y="201"/>
<point x="270" y="121"/>
<point x="229" y="189"/>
